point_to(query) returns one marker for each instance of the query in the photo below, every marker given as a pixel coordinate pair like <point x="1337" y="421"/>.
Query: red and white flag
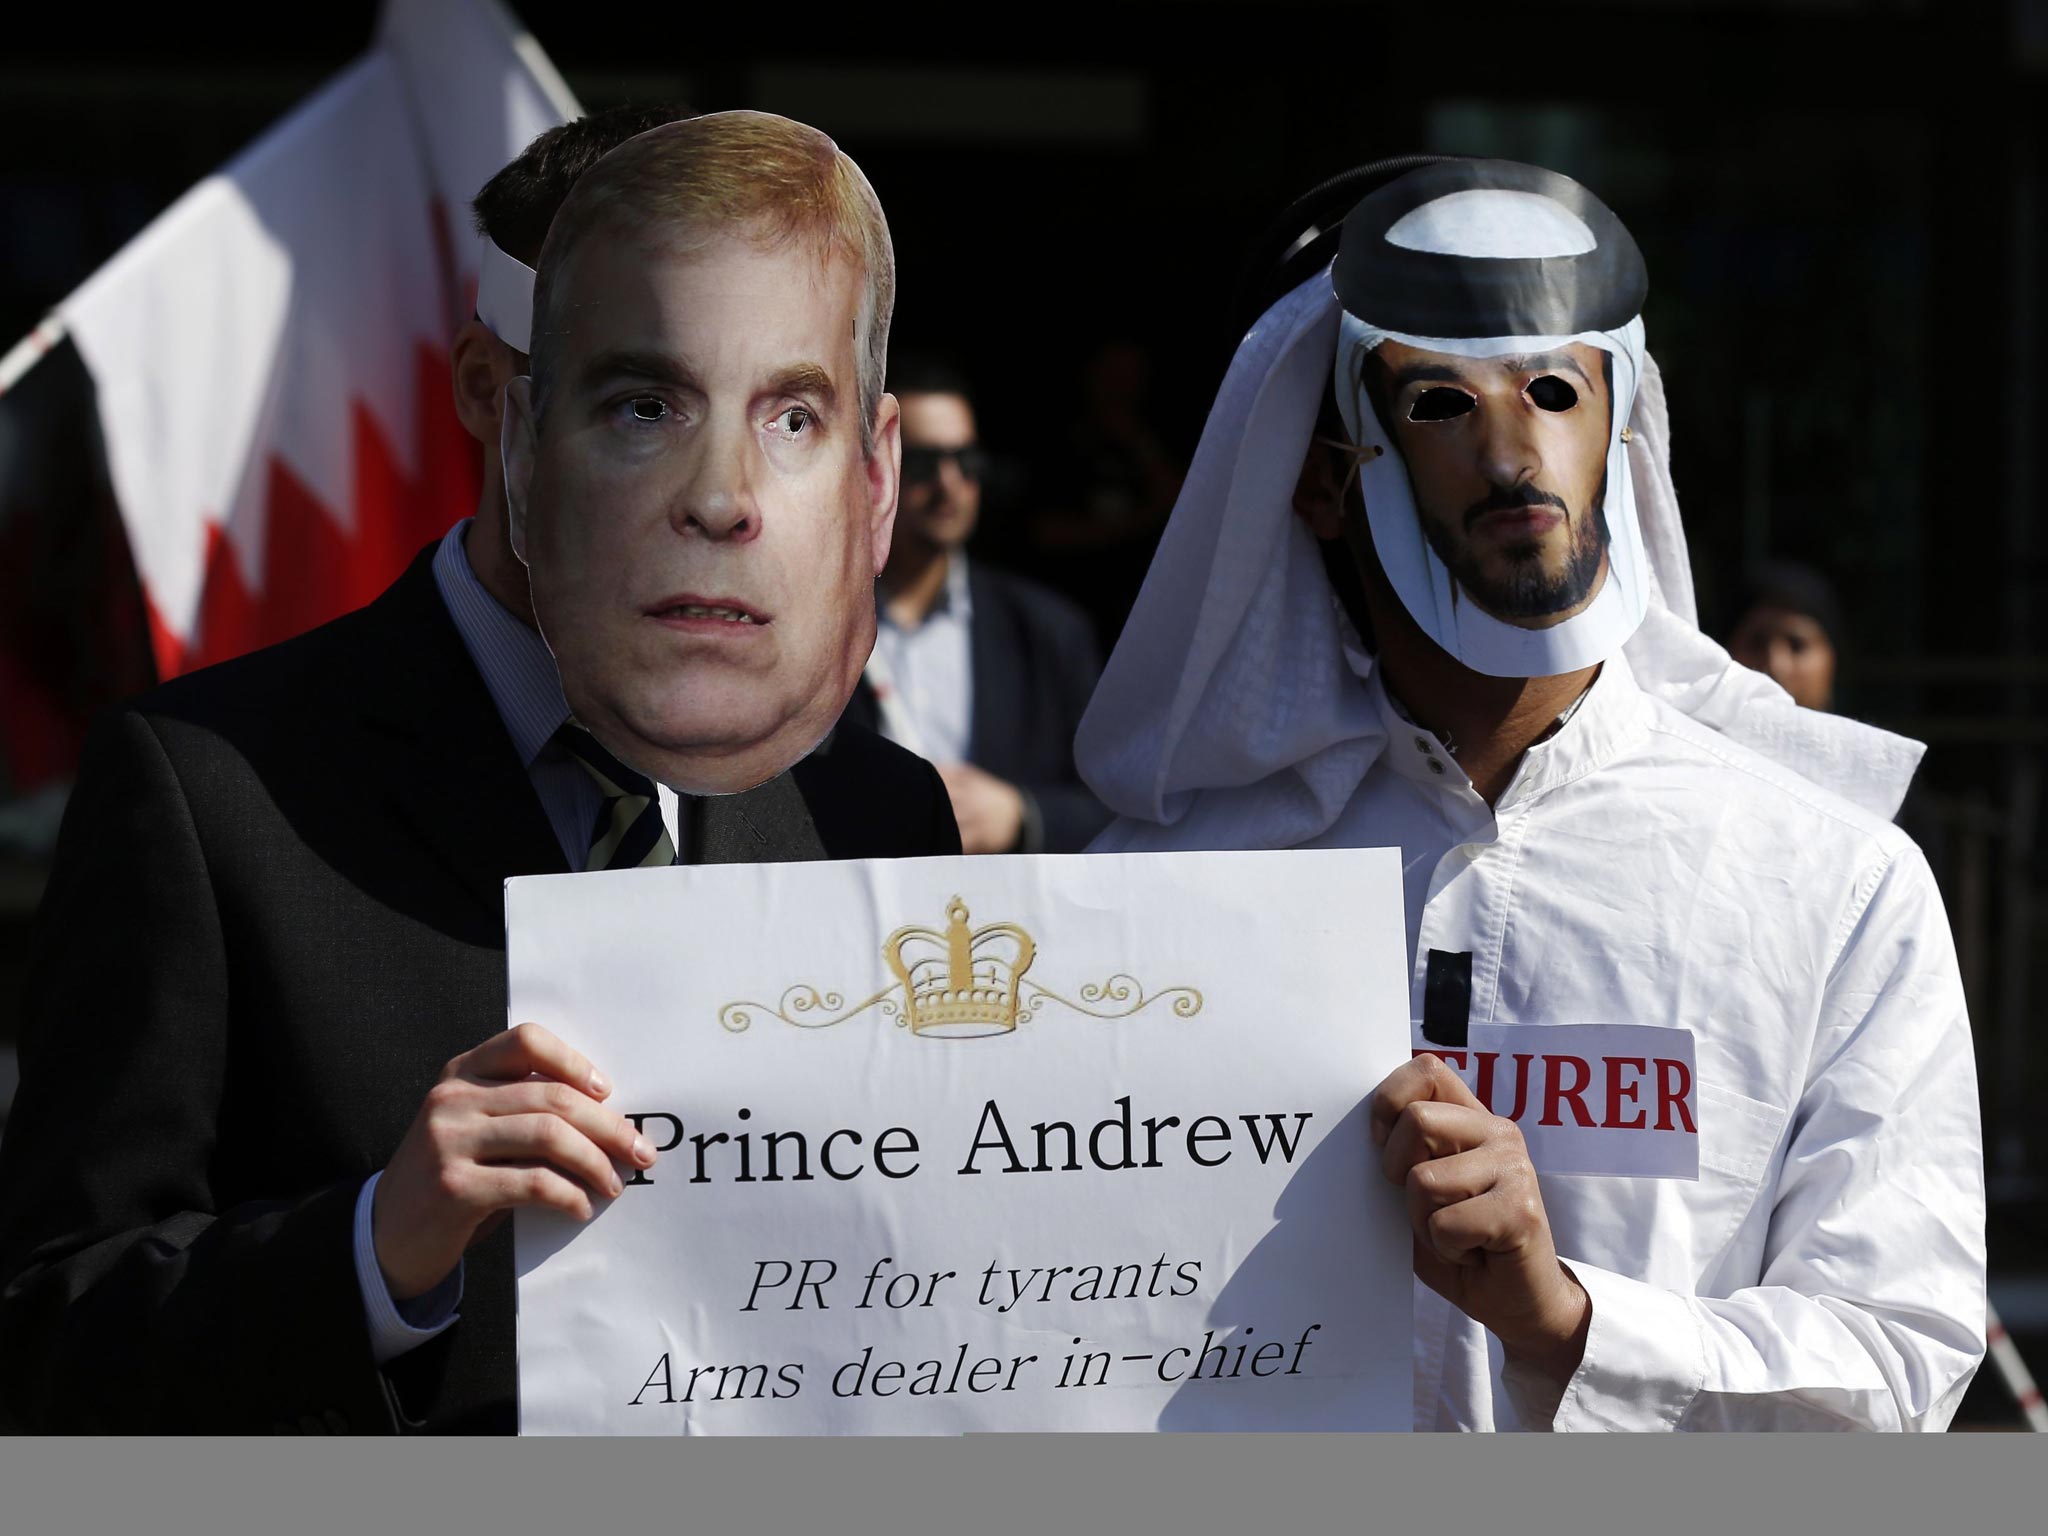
<point x="269" y="358"/>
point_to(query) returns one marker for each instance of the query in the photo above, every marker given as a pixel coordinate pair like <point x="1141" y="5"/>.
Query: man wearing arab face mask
<point x="1507" y="457"/>
<point x="1450" y="446"/>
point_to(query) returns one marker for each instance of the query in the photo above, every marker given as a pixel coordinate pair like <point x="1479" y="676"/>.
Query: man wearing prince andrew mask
<point x="271" y="1120"/>
<point x="1690" y="1135"/>
<point x="702" y="469"/>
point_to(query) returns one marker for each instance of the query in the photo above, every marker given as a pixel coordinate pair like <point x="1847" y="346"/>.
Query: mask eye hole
<point x="1550" y="393"/>
<point x="1440" y="404"/>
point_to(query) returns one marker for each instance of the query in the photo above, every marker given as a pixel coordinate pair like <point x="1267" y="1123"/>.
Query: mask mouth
<point x="691" y="610"/>
<point x="1516" y="505"/>
<point x="1518" y="530"/>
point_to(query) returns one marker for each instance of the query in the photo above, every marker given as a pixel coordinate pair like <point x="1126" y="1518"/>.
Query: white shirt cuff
<point x="1645" y="1358"/>
<point x="1534" y="1396"/>
<point x="396" y="1327"/>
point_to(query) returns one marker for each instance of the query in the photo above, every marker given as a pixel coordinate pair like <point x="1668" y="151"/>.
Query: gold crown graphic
<point x="958" y="984"/>
<point x="964" y="981"/>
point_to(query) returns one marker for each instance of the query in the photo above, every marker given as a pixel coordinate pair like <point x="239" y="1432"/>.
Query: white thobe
<point x="1826" y="1269"/>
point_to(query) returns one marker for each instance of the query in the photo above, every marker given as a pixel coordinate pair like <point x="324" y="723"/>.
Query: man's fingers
<point x="1426" y="1078"/>
<point x="527" y="1049"/>
<point x="1427" y="1130"/>
<point x="544" y="1139"/>
<point x="505" y="1188"/>
<point x="1448" y="1180"/>
<point x="1499" y="1221"/>
<point x="612" y="1133"/>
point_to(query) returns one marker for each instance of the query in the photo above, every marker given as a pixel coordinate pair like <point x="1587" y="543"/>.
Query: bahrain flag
<point x="268" y="365"/>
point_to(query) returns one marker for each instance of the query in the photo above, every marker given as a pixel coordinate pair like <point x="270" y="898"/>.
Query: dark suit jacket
<point x="276" y="912"/>
<point x="1035" y="664"/>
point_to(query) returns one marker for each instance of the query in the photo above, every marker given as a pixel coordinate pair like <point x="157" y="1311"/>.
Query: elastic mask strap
<point x="1359" y="457"/>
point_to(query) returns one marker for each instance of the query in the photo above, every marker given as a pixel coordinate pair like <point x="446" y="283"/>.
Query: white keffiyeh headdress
<point x="1230" y="713"/>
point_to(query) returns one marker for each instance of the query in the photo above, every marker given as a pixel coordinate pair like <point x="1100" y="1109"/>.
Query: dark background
<point x="1839" y="203"/>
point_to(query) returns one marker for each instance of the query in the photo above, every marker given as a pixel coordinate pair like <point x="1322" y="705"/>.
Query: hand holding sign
<point x="1482" y="1238"/>
<point x="517" y="1121"/>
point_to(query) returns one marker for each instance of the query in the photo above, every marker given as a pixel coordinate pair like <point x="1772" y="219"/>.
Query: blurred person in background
<point x="980" y="671"/>
<point x="1788" y="623"/>
<point x="1096" y="535"/>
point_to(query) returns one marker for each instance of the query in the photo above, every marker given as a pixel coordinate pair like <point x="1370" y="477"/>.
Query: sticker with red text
<point x="1616" y="1099"/>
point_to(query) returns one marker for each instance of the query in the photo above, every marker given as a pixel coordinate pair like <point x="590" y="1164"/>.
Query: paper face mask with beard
<point x="1487" y="360"/>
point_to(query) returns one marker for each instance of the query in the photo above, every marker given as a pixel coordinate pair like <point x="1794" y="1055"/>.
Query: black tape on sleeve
<point x="1447" y="998"/>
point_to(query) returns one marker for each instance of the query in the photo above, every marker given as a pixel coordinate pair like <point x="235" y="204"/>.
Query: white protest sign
<point x="1056" y="1143"/>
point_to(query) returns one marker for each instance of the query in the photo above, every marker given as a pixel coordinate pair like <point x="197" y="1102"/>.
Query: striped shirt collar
<point x="516" y="664"/>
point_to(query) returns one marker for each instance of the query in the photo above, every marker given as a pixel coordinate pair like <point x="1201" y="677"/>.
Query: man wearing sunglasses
<point x="981" y="672"/>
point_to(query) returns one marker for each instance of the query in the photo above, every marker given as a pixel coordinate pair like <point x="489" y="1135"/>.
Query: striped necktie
<point x="629" y="832"/>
